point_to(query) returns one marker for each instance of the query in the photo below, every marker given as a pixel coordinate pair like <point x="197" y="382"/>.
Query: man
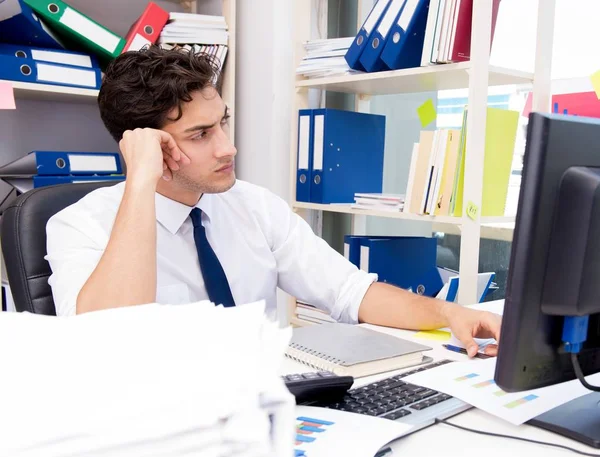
<point x="182" y="229"/>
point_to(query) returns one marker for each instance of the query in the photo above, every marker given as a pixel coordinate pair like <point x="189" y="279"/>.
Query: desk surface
<point x="445" y="441"/>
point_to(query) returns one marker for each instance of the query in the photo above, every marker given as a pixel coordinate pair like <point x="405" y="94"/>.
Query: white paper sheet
<point x="147" y="380"/>
<point x="473" y="383"/>
<point x="343" y="433"/>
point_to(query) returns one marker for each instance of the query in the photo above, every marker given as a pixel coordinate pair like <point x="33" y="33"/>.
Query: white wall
<point x="264" y="84"/>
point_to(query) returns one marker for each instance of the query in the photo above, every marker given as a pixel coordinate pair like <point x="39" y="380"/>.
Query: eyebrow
<point x="205" y="127"/>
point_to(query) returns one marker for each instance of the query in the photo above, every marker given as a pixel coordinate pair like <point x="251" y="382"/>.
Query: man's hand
<point x="151" y="154"/>
<point x="467" y="324"/>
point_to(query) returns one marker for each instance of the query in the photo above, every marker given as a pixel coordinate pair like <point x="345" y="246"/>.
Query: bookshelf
<point x="476" y="75"/>
<point x="49" y="117"/>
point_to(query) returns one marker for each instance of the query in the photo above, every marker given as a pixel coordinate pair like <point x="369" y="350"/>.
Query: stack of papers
<point x="379" y="202"/>
<point x="325" y="58"/>
<point x="149" y="380"/>
<point x="185" y="28"/>
<point x="198" y="32"/>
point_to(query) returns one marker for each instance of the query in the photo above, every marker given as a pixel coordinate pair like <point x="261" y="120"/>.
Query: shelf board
<point x="496" y="227"/>
<point x="49" y="92"/>
<point x="420" y="79"/>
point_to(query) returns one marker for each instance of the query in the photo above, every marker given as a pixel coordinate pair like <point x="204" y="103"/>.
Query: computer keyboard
<point x="391" y="398"/>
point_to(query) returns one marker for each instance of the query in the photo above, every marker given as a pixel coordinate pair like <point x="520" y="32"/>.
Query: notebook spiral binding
<point x="312" y="358"/>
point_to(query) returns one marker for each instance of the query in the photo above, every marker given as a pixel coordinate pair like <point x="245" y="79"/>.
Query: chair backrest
<point x="24" y="242"/>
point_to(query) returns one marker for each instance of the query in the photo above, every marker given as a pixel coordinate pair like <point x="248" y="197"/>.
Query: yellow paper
<point x="472" y="210"/>
<point x="436" y="335"/>
<point x="426" y="113"/>
<point x="595" y="78"/>
<point x="500" y="136"/>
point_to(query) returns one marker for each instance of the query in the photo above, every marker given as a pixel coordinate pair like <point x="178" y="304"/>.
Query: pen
<point x="479" y="355"/>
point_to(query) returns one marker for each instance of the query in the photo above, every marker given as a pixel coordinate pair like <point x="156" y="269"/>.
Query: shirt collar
<point x="172" y="214"/>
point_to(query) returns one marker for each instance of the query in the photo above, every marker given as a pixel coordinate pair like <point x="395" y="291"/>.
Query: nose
<point x="224" y="147"/>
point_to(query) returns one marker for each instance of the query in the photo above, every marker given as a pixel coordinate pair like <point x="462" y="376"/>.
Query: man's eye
<point x="225" y="120"/>
<point x="200" y="136"/>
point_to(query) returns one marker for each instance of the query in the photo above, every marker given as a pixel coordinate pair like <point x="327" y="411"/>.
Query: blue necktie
<point x="215" y="280"/>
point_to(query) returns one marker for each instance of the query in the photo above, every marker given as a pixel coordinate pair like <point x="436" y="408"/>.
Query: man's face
<point x="202" y="134"/>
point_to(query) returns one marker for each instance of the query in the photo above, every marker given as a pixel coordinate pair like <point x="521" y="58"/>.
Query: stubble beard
<point x="203" y="186"/>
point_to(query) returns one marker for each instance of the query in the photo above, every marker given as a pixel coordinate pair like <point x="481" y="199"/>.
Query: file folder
<point x="20" y="25"/>
<point x="31" y="71"/>
<point x="405" y="262"/>
<point x="352" y="246"/>
<point x="305" y="147"/>
<point x="51" y="163"/>
<point x="83" y="32"/>
<point x="75" y="59"/>
<point x="147" y="28"/>
<point x="404" y="46"/>
<point x="25" y="184"/>
<point x="370" y="59"/>
<point x="360" y="42"/>
<point x="347" y="155"/>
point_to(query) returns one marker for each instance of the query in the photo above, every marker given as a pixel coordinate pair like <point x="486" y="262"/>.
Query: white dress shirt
<point x="259" y="241"/>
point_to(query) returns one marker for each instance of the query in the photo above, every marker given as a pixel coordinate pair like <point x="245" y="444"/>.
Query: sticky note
<point x="436" y="335"/>
<point x="472" y="211"/>
<point x="595" y="78"/>
<point x="426" y="113"/>
<point x="7" y="96"/>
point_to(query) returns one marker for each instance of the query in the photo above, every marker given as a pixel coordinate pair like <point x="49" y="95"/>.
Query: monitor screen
<point x="531" y="352"/>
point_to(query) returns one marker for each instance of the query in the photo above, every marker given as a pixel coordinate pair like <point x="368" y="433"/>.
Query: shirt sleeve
<point x="311" y="270"/>
<point x="73" y="254"/>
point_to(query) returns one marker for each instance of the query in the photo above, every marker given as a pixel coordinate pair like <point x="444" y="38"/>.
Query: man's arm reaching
<point x="391" y="306"/>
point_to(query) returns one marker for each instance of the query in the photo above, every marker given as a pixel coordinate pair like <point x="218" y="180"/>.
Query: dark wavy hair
<point x="140" y="88"/>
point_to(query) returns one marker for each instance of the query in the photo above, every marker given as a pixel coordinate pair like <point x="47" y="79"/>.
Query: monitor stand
<point x="578" y="419"/>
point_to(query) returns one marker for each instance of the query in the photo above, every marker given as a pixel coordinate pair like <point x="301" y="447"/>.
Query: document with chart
<point x="322" y="432"/>
<point x="473" y="383"/>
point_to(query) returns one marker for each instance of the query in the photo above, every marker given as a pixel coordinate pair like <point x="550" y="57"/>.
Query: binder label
<point x="407" y="13"/>
<point x="62" y="57"/>
<point x="318" y="142"/>
<point x="388" y="19"/>
<point x="90" y="30"/>
<point x="65" y="75"/>
<point x="92" y="163"/>
<point x="374" y="15"/>
<point x="304" y="140"/>
<point x="138" y="42"/>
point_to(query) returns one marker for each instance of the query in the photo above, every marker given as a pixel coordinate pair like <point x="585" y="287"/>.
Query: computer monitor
<point x="555" y="269"/>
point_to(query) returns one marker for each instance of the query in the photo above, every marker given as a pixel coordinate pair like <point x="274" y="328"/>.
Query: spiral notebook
<point x="353" y="350"/>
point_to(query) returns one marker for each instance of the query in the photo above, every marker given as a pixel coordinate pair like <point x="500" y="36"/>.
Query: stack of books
<point x="202" y="33"/>
<point x="379" y="202"/>
<point x="325" y="58"/>
<point x="311" y="314"/>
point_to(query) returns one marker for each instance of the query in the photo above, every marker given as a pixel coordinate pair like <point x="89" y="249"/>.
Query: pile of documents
<point x="379" y="202"/>
<point x="325" y="58"/>
<point x="202" y="33"/>
<point x="150" y="380"/>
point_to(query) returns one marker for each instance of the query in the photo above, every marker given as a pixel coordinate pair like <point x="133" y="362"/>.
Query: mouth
<point x="225" y="168"/>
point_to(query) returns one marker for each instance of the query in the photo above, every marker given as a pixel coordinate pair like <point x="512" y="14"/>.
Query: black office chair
<point x="24" y="242"/>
